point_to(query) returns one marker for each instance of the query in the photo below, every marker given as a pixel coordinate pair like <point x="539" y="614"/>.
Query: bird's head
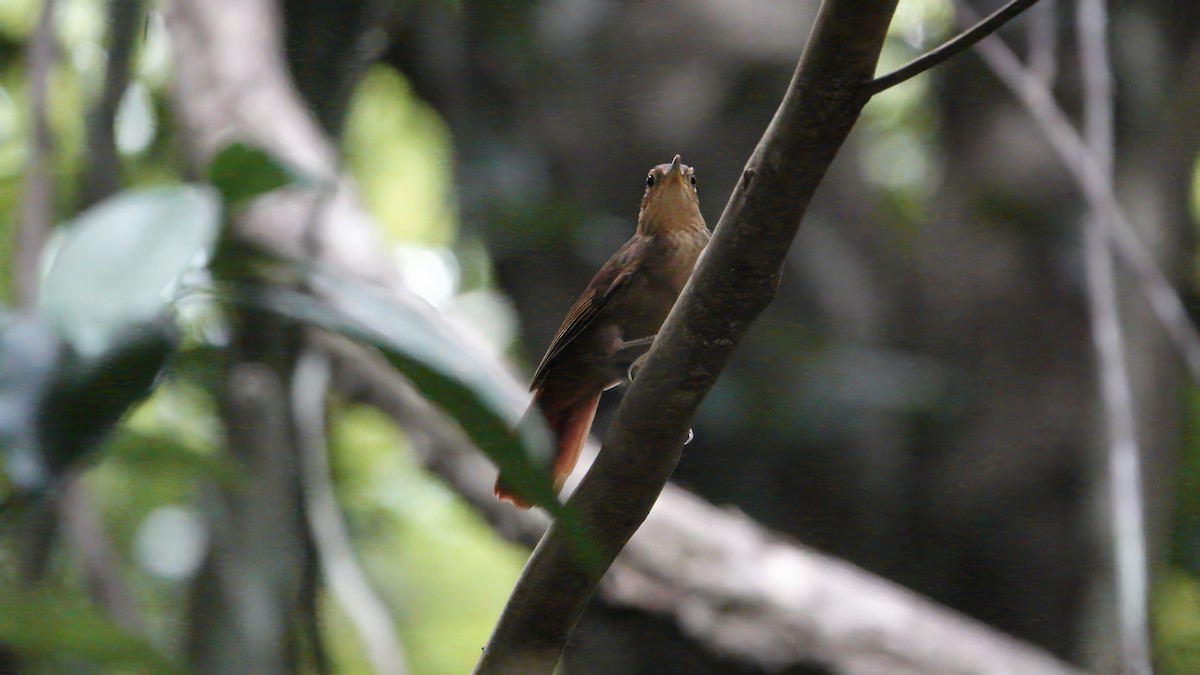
<point x="671" y="201"/>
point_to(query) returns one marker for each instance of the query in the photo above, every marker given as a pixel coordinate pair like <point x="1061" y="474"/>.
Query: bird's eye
<point x="650" y="180"/>
<point x="693" y="180"/>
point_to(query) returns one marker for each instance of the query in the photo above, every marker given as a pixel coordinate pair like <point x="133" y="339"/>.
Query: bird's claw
<point x="635" y="367"/>
<point x="629" y="357"/>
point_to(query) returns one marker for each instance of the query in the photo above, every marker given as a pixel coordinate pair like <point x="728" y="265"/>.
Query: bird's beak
<point x="675" y="167"/>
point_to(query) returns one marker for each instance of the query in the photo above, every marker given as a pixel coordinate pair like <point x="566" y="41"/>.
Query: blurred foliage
<point x="899" y="152"/>
<point x="429" y="359"/>
<point x="442" y="572"/>
<point x="71" y="635"/>
<point x="1177" y="595"/>
<point x="396" y="149"/>
<point x="241" y="173"/>
<point x="116" y="265"/>
<point x="1177" y="623"/>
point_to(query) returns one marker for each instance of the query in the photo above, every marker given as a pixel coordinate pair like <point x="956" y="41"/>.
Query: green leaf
<point x="41" y="624"/>
<point x="56" y="406"/>
<point x="241" y="172"/>
<point x="88" y="396"/>
<point x="117" y="264"/>
<point x="438" y="364"/>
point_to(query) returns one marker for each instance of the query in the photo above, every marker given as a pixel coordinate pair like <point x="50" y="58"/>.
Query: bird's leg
<point x="628" y="358"/>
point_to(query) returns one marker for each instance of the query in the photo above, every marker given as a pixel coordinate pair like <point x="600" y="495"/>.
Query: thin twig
<point x="334" y="549"/>
<point x="1124" y="463"/>
<point x="734" y="282"/>
<point x="37" y="213"/>
<point x="1097" y="189"/>
<point x="101" y="175"/>
<point x="959" y="44"/>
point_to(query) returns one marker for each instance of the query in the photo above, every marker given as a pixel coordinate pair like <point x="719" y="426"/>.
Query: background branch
<point x="955" y="46"/>
<point x="230" y="82"/>
<point x="1124" y="499"/>
<point x="1043" y="41"/>
<point x="101" y="174"/>
<point x="335" y="551"/>
<point x="85" y="532"/>
<point x="37" y="212"/>
<point x="246" y="596"/>
<point x="1097" y="190"/>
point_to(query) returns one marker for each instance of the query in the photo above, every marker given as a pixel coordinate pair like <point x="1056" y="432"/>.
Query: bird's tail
<point x="570" y="428"/>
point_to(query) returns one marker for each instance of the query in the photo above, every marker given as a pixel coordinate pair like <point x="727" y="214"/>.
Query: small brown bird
<point x="628" y="299"/>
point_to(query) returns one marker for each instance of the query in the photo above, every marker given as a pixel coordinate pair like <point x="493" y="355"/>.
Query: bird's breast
<point x="669" y="261"/>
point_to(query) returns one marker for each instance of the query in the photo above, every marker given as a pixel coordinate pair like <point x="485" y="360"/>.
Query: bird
<point x="625" y="304"/>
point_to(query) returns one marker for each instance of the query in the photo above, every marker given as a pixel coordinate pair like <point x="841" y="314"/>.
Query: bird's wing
<point x="615" y="274"/>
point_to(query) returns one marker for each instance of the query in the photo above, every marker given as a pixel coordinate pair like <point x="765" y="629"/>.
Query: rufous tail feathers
<point x="570" y="428"/>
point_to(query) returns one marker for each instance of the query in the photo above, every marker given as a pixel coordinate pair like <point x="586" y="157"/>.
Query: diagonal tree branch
<point x="960" y="43"/>
<point x="734" y="281"/>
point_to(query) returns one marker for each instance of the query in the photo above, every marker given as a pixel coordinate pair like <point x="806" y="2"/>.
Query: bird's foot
<point x="628" y="359"/>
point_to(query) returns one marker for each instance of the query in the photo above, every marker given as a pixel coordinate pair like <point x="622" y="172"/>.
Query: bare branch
<point x="1043" y="41"/>
<point x="959" y="44"/>
<point x="37" y="213"/>
<point x="101" y="175"/>
<point x="250" y="591"/>
<point x="1124" y="462"/>
<point x="1098" y="191"/>
<point x="734" y="281"/>
<point x="334" y="549"/>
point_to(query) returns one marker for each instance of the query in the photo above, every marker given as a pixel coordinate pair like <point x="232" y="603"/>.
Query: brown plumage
<point x="628" y="299"/>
